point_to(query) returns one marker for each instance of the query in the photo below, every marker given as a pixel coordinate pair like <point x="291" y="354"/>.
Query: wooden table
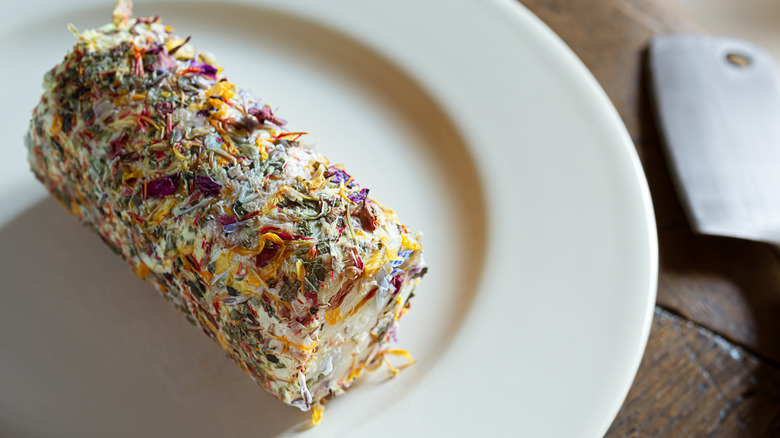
<point x="712" y="363"/>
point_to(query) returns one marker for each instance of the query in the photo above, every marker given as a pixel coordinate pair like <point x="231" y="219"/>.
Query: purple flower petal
<point x="207" y="185"/>
<point x="359" y="196"/>
<point x="205" y="69"/>
<point x="161" y="187"/>
<point x="338" y="175"/>
<point x="226" y="219"/>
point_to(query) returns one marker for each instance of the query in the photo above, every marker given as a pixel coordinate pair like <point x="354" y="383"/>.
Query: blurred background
<point x="753" y="20"/>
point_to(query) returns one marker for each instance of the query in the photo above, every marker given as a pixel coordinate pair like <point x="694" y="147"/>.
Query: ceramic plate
<point x="471" y="119"/>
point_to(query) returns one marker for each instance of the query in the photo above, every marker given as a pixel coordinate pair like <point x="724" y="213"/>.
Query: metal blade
<point x="721" y="125"/>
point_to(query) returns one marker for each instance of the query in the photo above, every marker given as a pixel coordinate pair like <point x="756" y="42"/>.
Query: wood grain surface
<point x="712" y="364"/>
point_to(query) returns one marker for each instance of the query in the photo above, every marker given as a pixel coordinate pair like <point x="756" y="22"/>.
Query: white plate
<point x="471" y="119"/>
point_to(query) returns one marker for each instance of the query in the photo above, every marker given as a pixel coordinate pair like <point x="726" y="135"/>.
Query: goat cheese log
<point x="280" y="257"/>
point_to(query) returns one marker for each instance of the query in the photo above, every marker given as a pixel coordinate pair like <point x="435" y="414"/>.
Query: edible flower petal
<point x="265" y="114"/>
<point x="161" y="187"/>
<point x="164" y="108"/>
<point x="358" y="197"/>
<point x="226" y="219"/>
<point x="266" y="255"/>
<point x="205" y="69"/>
<point x="207" y="185"/>
<point x="164" y="62"/>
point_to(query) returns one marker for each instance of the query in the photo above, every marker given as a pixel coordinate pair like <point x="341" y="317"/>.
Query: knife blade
<point x="717" y="104"/>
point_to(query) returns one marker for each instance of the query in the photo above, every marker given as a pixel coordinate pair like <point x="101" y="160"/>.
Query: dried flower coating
<point x="281" y="258"/>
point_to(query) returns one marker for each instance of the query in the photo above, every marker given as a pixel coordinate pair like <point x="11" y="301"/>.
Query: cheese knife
<point x="717" y="104"/>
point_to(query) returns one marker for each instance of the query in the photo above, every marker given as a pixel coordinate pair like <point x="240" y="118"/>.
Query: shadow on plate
<point x="90" y="349"/>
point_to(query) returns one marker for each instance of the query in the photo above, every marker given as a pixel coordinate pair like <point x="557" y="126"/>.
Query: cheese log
<point x="280" y="257"/>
